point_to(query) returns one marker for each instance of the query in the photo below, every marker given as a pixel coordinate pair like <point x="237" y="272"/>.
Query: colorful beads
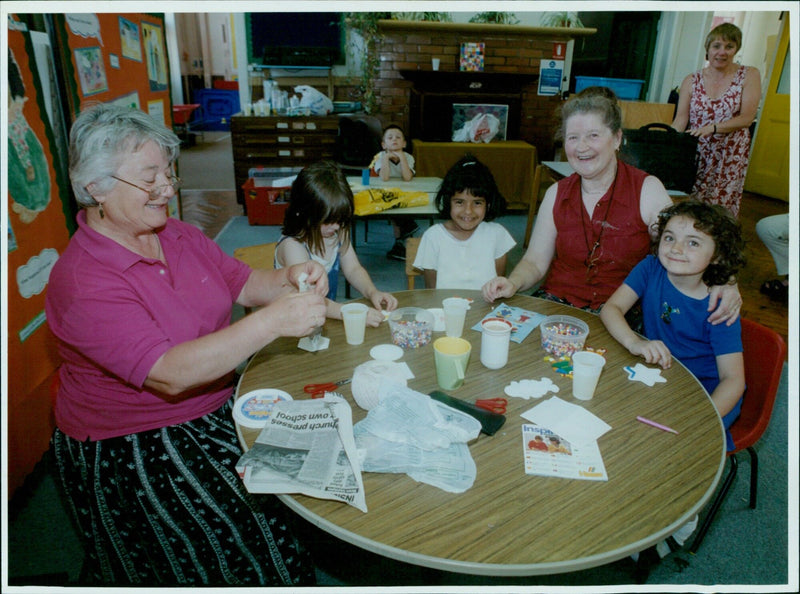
<point x="561" y="365"/>
<point x="411" y="334"/>
<point x="563" y="335"/>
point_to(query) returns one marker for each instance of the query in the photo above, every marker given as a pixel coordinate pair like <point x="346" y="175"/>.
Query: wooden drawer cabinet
<point x="279" y="141"/>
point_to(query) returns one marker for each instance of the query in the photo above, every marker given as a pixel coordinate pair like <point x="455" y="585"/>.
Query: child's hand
<point x="653" y="351"/>
<point x="394" y="156"/>
<point x="384" y="301"/>
<point x="374" y="317"/>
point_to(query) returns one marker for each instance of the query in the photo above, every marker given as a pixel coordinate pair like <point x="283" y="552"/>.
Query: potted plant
<point x="365" y="24"/>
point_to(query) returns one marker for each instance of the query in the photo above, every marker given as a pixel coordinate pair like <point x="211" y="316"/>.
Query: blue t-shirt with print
<point x="681" y="323"/>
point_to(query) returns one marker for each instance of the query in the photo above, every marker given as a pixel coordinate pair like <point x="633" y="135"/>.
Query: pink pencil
<point x="656" y="425"/>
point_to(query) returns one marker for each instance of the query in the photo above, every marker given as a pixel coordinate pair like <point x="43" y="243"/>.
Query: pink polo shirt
<point x="115" y="313"/>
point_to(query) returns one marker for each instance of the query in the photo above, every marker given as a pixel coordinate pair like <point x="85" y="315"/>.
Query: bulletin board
<point x="115" y="58"/>
<point x="37" y="232"/>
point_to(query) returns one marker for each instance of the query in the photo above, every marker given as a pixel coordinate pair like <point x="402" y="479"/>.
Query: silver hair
<point x="100" y="140"/>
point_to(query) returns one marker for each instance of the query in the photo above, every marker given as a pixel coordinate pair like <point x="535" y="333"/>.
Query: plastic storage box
<point x="218" y="107"/>
<point x="266" y="205"/>
<point x="627" y="89"/>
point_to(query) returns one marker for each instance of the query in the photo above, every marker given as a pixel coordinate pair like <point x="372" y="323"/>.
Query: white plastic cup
<point x="455" y="312"/>
<point x="495" y="336"/>
<point x="435" y="63"/>
<point x="586" y="368"/>
<point x="247" y="109"/>
<point x="354" y="316"/>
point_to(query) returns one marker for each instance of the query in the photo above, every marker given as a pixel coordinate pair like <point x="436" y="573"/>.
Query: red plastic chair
<point x="764" y="356"/>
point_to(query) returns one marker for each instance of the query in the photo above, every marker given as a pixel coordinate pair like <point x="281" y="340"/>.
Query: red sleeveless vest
<point x="624" y="242"/>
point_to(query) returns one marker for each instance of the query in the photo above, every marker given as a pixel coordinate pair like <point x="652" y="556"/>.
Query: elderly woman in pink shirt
<point x="140" y="302"/>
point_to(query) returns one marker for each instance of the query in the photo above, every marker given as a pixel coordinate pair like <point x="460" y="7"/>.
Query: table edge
<point x="491" y="569"/>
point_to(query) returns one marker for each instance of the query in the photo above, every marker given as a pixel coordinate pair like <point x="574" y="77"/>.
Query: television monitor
<point x="296" y="39"/>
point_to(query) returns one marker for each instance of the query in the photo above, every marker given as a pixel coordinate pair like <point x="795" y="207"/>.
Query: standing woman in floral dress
<point x="717" y="104"/>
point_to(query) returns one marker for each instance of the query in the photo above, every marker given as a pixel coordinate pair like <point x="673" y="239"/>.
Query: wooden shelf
<point x="487" y="29"/>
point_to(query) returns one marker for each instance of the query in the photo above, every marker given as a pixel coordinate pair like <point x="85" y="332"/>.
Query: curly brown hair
<point x="717" y="222"/>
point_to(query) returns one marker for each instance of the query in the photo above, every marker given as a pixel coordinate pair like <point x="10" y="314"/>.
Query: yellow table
<point x="512" y="163"/>
<point x="510" y="523"/>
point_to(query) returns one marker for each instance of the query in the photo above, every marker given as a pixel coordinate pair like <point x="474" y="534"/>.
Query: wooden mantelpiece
<point x="468" y="82"/>
<point x="486" y="29"/>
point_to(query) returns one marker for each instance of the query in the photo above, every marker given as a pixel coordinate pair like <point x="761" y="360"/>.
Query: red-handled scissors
<point x="495" y="405"/>
<point x="318" y="390"/>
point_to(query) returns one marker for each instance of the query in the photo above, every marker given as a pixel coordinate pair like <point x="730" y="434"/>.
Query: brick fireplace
<point x="408" y="46"/>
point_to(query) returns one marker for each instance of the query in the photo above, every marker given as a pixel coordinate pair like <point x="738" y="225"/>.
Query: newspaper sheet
<point x="306" y="447"/>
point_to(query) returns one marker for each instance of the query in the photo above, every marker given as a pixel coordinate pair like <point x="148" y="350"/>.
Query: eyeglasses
<point x="174" y="182"/>
<point x="592" y="258"/>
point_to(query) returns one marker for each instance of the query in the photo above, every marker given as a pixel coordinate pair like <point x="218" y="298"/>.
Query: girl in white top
<point x="316" y="227"/>
<point x="466" y="250"/>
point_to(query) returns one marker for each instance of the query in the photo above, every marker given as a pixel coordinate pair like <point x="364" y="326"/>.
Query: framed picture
<point x="91" y="72"/>
<point x="463" y="113"/>
<point x="129" y="40"/>
<point x="472" y="57"/>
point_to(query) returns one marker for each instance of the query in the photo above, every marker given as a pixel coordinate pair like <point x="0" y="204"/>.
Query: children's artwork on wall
<point x="129" y="100"/>
<point x="85" y="25"/>
<point x="155" y="55"/>
<point x="12" y="239"/>
<point x="467" y="112"/>
<point x="472" y="57"/>
<point x="156" y="109"/>
<point x="129" y="40"/>
<point x="91" y="72"/>
<point x="28" y="170"/>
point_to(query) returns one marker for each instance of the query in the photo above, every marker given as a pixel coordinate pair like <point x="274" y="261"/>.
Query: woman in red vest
<point x="594" y="226"/>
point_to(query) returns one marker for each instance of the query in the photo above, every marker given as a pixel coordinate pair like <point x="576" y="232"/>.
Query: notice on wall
<point x="550" y="74"/>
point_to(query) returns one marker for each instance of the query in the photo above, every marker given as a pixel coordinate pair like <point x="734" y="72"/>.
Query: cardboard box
<point x="625" y="88"/>
<point x="265" y="205"/>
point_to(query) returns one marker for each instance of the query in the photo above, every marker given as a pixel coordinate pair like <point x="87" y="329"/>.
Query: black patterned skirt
<point x="166" y="507"/>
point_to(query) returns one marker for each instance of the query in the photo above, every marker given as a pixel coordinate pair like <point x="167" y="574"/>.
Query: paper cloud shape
<point x="528" y="389"/>
<point x="84" y="25"/>
<point x="32" y="277"/>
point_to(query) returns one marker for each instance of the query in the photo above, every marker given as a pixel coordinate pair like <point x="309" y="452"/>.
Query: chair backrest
<point x="257" y="256"/>
<point x="358" y="141"/>
<point x="764" y="356"/>
<point x="412" y="243"/>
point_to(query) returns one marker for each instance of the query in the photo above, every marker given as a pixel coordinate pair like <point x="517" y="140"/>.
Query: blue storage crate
<point x="627" y="89"/>
<point x="217" y="107"/>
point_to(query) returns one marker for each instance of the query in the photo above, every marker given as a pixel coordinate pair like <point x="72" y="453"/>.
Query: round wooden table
<point x="510" y="523"/>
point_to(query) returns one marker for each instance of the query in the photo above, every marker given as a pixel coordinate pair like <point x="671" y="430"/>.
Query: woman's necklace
<point x="160" y="255"/>
<point x="592" y="255"/>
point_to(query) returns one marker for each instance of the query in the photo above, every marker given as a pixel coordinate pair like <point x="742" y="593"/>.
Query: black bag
<point x="661" y="151"/>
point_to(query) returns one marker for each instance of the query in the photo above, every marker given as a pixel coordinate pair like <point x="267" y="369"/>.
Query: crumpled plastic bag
<point x="482" y="128"/>
<point x="316" y="102"/>
<point x="375" y="200"/>
<point x="409" y="432"/>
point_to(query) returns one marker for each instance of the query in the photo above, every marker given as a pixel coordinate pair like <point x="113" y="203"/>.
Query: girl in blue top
<point x="316" y="227"/>
<point x="699" y="245"/>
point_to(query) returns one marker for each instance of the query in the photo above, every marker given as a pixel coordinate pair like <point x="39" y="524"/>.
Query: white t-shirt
<point x="394" y="168"/>
<point x="464" y="264"/>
